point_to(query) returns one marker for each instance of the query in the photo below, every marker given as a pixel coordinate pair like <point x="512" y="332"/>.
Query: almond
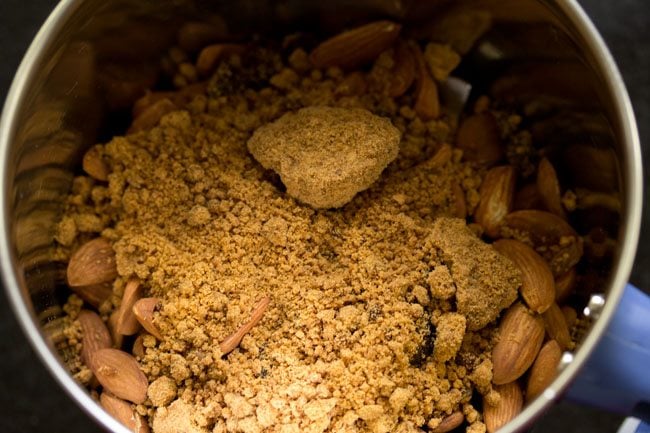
<point x="479" y="139"/>
<point x="544" y="369"/>
<point x="549" y="188"/>
<point x="527" y="197"/>
<point x="509" y="406"/>
<point x="118" y="339"/>
<point x="570" y="316"/>
<point x="232" y="341"/>
<point x="403" y="73"/>
<point x="427" y="101"/>
<point x="124" y="413"/>
<point x="143" y="311"/>
<point x="441" y="158"/>
<point x="119" y="373"/>
<point x="94" y="165"/>
<point x="556" y="326"/>
<point x="211" y="55"/>
<point x="126" y="321"/>
<point x="561" y="244"/>
<point x="94" y="294"/>
<point x="496" y="194"/>
<point x="150" y="117"/>
<point x="537" y="284"/>
<point x="93" y="263"/>
<point x="138" y="348"/>
<point x="356" y="47"/>
<point x="95" y="335"/>
<point x="564" y="284"/>
<point x="449" y="423"/>
<point x="520" y="337"/>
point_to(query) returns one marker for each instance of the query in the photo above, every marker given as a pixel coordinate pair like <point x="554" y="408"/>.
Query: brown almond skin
<point x="124" y="413"/>
<point x="548" y="187"/>
<point x="427" y="101"/>
<point x="546" y="229"/>
<point x="93" y="263"/>
<point x="537" y="284"/>
<point x="150" y="116"/>
<point x="544" y="369"/>
<point x="95" y="335"/>
<point x="521" y="334"/>
<point x="357" y="46"/>
<point x="449" y="423"/>
<point x="126" y="322"/>
<point x="232" y="341"/>
<point x="565" y="284"/>
<point x="527" y="197"/>
<point x="118" y="339"/>
<point x="497" y="191"/>
<point x="460" y="205"/>
<point x="138" y="348"/>
<point x="403" y="74"/>
<point x="570" y="316"/>
<point x="143" y="310"/>
<point x="119" y="373"/>
<point x="211" y="55"/>
<point x="509" y="406"/>
<point x="556" y="326"/>
<point x="478" y="137"/>
<point x="94" y="165"/>
<point x="94" y="294"/>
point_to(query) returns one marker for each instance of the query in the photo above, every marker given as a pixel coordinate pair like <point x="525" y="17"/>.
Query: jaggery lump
<point x="326" y="155"/>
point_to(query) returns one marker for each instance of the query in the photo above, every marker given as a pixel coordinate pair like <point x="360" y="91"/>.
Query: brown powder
<point x="356" y="294"/>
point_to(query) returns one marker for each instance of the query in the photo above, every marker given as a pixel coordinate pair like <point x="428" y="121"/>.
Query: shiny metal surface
<point x="59" y="105"/>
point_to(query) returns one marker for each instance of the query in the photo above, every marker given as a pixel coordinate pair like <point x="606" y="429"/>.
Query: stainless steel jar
<point x="536" y="50"/>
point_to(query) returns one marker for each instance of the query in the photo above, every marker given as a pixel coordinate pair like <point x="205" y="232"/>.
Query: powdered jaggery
<point x="357" y="294"/>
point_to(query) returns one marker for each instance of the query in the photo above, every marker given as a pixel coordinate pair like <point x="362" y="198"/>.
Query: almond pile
<point x="207" y="299"/>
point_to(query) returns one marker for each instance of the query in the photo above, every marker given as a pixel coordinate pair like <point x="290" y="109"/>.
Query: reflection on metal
<point x="594" y="307"/>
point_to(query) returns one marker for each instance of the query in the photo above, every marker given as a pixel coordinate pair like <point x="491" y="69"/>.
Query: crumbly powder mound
<point x="326" y="155"/>
<point x="486" y="282"/>
<point x="346" y="343"/>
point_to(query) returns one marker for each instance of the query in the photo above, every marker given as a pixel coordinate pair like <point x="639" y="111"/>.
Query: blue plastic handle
<point x="616" y="377"/>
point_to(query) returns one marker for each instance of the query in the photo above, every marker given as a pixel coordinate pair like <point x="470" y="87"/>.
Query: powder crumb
<point x="326" y="155"/>
<point x="441" y="284"/>
<point x="198" y="216"/>
<point x="477" y="427"/>
<point x="399" y="398"/>
<point x="175" y="418"/>
<point x="449" y="336"/>
<point x="162" y="391"/>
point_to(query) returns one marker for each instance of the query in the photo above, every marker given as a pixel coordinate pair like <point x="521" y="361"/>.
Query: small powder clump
<point x="326" y="155"/>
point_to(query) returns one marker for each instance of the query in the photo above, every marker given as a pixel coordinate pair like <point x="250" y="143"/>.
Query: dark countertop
<point x="30" y="400"/>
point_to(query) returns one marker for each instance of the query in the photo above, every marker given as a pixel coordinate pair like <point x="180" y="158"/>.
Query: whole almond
<point x="564" y="284"/>
<point x="527" y="197"/>
<point x="509" y="406"/>
<point x="356" y="47"/>
<point x="124" y="413"/>
<point x="427" y="101"/>
<point x="143" y="310"/>
<point x="556" y="326"/>
<point x="119" y="373"/>
<point x="94" y="294"/>
<point x="570" y="316"/>
<point x="95" y="335"/>
<point x="232" y="341"/>
<point x="546" y="230"/>
<point x="479" y="139"/>
<point x="118" y="339"/>
<point x="520" y="337"/>
<point x="93" y="263"/>
<point x="126" y="322"/>
<point x="211" y="55"/>
<point x="150" y="116"/>
<point x="549" y="188"/>
<point x="403" y="74"/>
<point x="544" y="369"/>
<point x="94" y="165"/>
<point x="449" y="423"/>
<point x="496" y="194"/>
<point x="537" y="284"/>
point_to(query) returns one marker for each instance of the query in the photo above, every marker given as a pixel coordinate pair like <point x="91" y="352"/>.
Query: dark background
<point x="30" y="400"/>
